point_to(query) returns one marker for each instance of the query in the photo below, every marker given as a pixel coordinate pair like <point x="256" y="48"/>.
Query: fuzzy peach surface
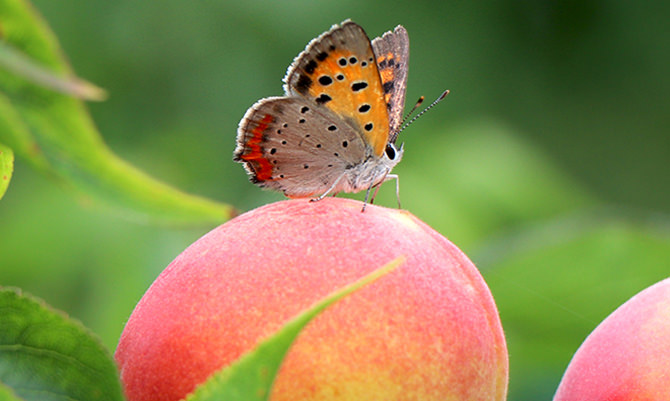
<point x="627" y="357"/>
<point x="428" y="331"/>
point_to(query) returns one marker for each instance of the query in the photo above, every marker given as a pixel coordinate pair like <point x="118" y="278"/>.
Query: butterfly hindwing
<point x="291" y="145"/>
<point x="392" y="54"/>
<point x="338" y="71"/>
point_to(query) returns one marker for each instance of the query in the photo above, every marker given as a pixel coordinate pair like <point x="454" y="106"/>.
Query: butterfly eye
<point x="390" y="151"/>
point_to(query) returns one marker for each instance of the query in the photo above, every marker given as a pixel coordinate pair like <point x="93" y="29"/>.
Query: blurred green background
<point x="547" y="164"/>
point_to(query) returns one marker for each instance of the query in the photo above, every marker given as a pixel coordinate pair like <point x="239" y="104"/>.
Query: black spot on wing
<point x="303" y="84"/>
<point x="323" y="99"/>
<point x="358" y="86"/>
<point x="325" y="80"/>
<point x="310" y="67"/>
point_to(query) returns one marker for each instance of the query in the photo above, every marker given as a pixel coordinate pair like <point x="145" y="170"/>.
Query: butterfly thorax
<point x="371" y="172"/>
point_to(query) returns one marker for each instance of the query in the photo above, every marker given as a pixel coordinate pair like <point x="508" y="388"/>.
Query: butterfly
<point x="335" y="128"/>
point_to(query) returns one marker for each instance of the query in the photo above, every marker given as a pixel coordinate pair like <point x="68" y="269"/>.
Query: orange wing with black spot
<point x="338" y="71"/>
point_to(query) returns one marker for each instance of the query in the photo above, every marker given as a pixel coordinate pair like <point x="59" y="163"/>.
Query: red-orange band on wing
<point x="263" y="167"/>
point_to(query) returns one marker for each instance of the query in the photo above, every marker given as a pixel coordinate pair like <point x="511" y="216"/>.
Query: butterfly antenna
<point x="438" y="100"/>
<point x="418" y="103"/>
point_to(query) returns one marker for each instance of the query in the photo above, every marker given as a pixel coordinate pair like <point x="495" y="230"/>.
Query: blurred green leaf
<point x="17" y="136"/>
<point x="480" y="178"/>
<point x="6" y="168"/>
<point x="16" y="62"/>
<point x="55" y="132"/>
<point x="47" y="356"/>
<point x="555" y="282"/>
<point x="6" y="394"/>
<point x="251" y="377"/>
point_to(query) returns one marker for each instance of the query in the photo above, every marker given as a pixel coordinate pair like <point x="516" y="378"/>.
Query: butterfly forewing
<point x="290" y="145"/>
<point x="338" y="71"/>
<point x="392" y="54"/>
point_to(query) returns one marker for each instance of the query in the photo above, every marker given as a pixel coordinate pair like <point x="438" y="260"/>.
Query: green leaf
<point x="18" y="63"/>
<point x="6" y="168"/>
<point x="56" y="134"/>
<point x="554" y="283"/>
<point x="18" y="137"/>
<point x="47" y="356"/>
<point x="250" y="378"/>
<point x="476" y="179"/>
<point x="6" y="394"/>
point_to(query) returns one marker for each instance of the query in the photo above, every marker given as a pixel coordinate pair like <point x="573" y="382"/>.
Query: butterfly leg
<point x="367" y="196"/>
<point x="329" y="190"/>
<point x="397" y="186"/>
<point x="387" y="177"/>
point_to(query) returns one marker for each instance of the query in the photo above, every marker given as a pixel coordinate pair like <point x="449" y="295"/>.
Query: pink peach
<point x="627" y="357"/>
<point x="427" y="331"/>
